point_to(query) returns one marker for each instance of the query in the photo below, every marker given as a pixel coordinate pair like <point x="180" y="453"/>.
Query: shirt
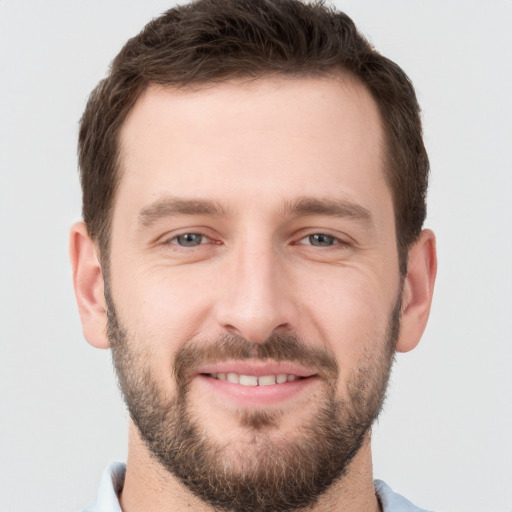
<point x="112" y="482"/>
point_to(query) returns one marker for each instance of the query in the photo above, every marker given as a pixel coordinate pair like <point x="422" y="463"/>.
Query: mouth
<point x="253" y="384"/>
<point x="254" y="380"/>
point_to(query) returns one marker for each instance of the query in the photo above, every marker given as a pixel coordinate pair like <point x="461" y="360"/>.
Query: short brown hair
<point x="209" y="41"/>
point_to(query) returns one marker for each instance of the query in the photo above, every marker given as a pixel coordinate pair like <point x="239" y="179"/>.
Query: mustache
<point x="277" y="348"/>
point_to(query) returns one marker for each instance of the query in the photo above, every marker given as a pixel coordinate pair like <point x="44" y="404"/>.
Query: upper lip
<point x="257" y="368"/>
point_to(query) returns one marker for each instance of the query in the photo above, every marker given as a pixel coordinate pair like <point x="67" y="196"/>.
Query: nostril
<point x="257" y="316"/>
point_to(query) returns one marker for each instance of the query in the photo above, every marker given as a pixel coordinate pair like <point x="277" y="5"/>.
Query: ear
<point x="418" y="290"/>
<point x="89" y="286"/>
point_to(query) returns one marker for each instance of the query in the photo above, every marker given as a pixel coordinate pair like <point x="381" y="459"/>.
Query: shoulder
<point x="112" y="482"/>
<point x="393" y="502"/>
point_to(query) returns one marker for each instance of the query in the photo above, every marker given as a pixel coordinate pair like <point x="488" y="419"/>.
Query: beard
<point x="263" y="472"/>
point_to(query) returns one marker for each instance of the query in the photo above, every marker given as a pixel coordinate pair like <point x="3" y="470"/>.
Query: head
<point x="213" y="41"/>
<point x="254" y="183"/>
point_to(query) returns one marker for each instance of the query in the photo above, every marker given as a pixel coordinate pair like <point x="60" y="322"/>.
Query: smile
<point x="255" y="384"/>
<point x="252" y="380"/>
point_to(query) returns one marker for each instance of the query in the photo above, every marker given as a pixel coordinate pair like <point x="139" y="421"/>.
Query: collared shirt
<point x="113" y="479"/>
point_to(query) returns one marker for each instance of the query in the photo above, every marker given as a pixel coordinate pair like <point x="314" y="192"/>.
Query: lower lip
<point x="274" y="394"/>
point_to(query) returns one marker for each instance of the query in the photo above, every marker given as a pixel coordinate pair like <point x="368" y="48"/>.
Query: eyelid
<point x="175" y="237"/>
<point x="339" y="239"/>
<point x="170" y="238"/>
<point x="305" y="241"/>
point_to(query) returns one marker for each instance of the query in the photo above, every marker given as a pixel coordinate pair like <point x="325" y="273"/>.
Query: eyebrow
<point x="329" y="207"/>
<point x="170" y="206"/>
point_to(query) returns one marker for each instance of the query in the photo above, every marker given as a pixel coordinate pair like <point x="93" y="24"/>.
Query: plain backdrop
<point x="444" y="439"/>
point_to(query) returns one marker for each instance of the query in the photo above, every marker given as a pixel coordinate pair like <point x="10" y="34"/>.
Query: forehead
<point x="280" y="137"/>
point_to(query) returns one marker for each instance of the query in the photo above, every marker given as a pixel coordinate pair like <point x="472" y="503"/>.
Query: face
<point x="254" y="292"/>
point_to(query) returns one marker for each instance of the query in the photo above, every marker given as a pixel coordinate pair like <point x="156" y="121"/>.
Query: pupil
<point x="323" y="240"/>
<point x="189" y="239"/>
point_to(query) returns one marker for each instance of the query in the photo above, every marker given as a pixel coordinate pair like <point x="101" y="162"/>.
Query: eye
<point x="189" y="239"/>
<point x="319" y="240"/>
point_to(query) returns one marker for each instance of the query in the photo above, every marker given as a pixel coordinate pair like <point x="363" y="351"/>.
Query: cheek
<point x="350" y="314"/>
<point x="165" y="305"/>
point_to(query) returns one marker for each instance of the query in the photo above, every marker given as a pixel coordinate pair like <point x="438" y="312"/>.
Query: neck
<point x="149" y="487"/>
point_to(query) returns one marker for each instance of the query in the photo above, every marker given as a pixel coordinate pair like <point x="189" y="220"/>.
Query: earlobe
<point x="418" y="290"/>
<point x="89" y="286"/>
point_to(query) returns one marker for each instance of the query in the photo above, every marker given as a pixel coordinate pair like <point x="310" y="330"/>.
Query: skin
<point x="254" y="148"/>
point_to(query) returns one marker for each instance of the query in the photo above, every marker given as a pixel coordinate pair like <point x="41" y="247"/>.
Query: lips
<point x="255" y="383"/>
<point x="258" y="369"/>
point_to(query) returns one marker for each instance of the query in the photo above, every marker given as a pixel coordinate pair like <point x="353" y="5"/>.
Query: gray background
<point x="445" y="437"/>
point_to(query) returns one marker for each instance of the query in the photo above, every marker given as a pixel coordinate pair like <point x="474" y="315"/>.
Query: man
<point x="254" y="184"/>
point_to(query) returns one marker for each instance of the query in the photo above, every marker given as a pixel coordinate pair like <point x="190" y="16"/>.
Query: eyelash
<point x="174" y="239"/>
<point x="333" y="240"/>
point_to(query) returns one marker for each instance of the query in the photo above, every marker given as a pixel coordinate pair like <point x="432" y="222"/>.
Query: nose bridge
<point x="256" y="303"/>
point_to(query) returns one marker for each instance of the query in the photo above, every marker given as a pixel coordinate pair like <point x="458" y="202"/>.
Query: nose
<point x="258" y="295"/>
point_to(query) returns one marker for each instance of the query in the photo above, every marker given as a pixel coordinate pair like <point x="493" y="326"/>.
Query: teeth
<point x="233" y="378"/>
<point x="248" y="380"/>
<point x="267" y="380"/>
<point x="252" y="380"/>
